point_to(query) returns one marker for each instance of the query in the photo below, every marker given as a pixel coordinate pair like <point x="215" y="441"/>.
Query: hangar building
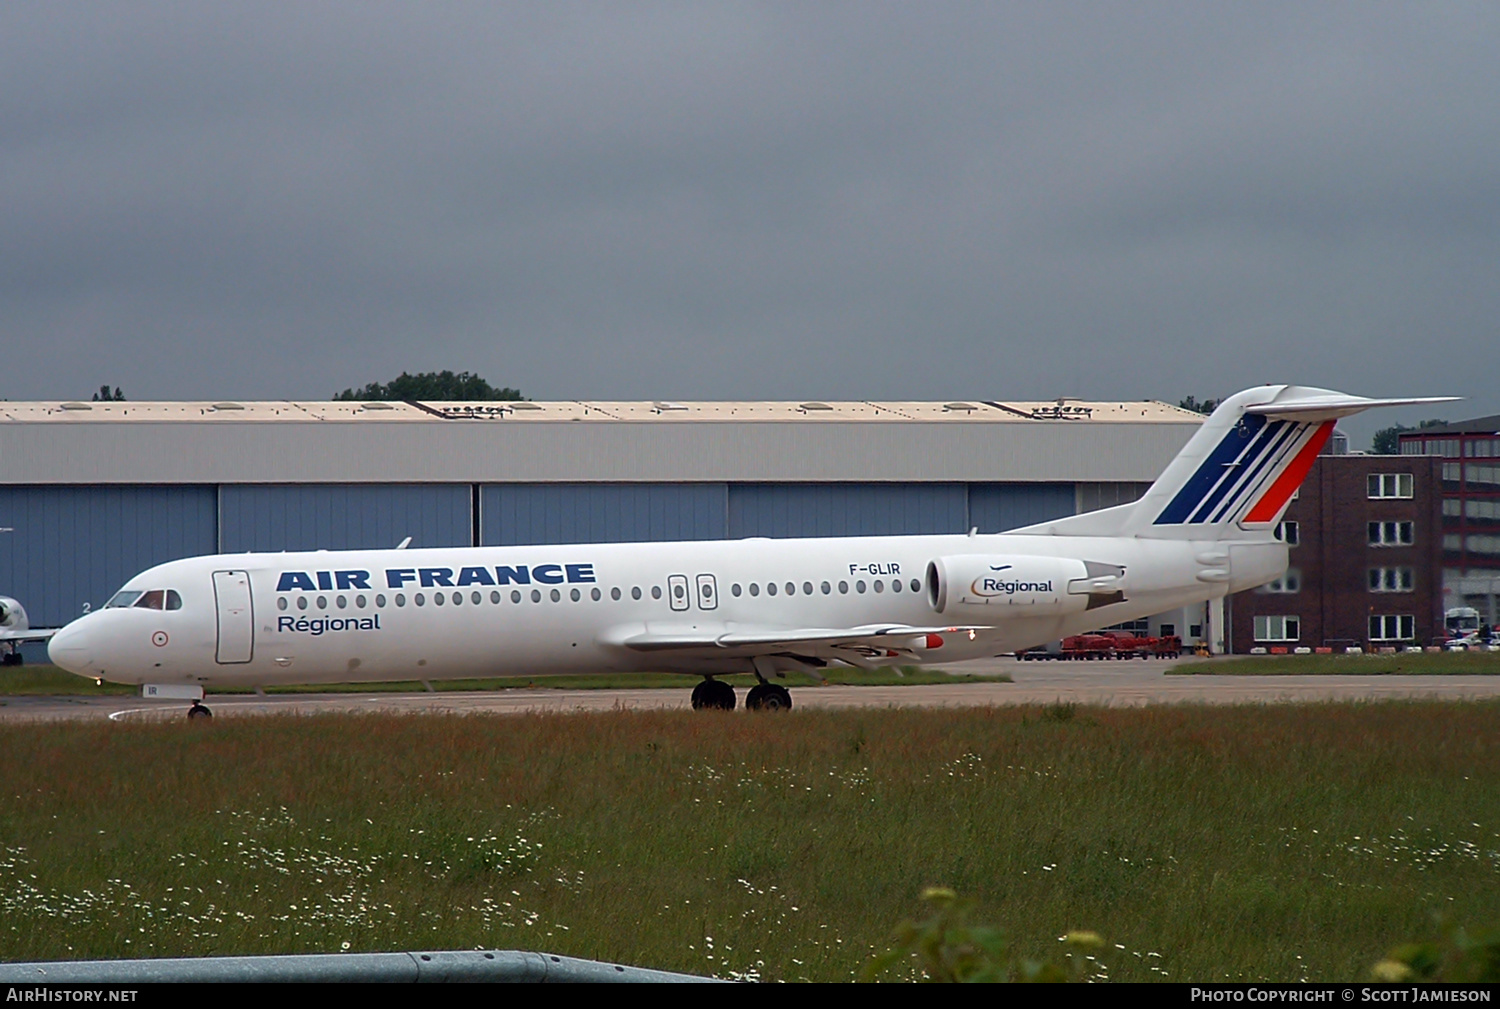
<point x="92" y="493"/>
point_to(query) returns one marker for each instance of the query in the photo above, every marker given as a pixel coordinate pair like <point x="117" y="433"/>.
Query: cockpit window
<point x="174" y="601"/>
<point x="156" y="599"/>
<point x="124" y="598"/>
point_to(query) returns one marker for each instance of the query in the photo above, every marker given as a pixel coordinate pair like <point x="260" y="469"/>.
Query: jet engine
<point x="986" y="588"/>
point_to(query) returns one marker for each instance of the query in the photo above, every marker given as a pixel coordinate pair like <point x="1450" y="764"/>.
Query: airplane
<point x="15" y="629"/>
<point x="1204" y="529"/>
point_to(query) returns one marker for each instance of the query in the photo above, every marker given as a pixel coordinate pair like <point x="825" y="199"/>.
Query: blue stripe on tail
<point x="1202" y="483"/>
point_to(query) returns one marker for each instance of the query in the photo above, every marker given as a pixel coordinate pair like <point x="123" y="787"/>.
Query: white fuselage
<point x="372" y="615"/>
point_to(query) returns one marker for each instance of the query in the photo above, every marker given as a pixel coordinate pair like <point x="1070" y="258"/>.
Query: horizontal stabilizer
<point x="1313" y="405"/>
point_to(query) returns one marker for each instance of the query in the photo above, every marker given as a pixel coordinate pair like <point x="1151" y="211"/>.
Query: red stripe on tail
<point x="1291" y="478"/>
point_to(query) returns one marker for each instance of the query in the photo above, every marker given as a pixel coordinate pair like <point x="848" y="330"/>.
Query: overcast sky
<point x="767" y="201"/>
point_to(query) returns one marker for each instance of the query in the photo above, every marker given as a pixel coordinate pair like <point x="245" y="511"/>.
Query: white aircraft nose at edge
<point x="16" y="629"/>
<point x="706" y="608"/>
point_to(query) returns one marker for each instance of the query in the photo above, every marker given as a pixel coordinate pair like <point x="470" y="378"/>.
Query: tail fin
<point x="1236" y="475"/>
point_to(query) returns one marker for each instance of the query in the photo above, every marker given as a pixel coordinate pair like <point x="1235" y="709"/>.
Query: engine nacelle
<point x="990" y="588"/>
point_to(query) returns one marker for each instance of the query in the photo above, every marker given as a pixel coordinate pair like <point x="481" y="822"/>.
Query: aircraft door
<point x="235" y="619"/>
<point x="677" y="591"/>
<point x="708" y="593"/>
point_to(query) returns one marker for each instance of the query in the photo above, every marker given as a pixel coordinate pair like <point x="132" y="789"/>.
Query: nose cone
<point x="69" y="649"/>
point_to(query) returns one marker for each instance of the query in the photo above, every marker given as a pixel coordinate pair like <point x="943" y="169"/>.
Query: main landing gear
<point x="764" y="696"/>
<point x="198" y="710"/>
<point x="713" y="695"/>
<point x="769" y="697"/>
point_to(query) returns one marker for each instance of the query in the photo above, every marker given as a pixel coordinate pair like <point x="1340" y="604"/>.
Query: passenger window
<point x="156" y="599"/>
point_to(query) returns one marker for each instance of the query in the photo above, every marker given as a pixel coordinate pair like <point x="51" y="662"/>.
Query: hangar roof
<point x="990" y="411"/>
<point x="1065" y="440"/>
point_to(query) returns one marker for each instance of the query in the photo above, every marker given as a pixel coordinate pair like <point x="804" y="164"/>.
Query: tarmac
<point x="1120" y="683"/>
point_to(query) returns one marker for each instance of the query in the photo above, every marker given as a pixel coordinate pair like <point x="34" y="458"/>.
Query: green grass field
<point x="1209" y="843"/>
<point x="1424" y="663"/>
<point x="49" y="681"/>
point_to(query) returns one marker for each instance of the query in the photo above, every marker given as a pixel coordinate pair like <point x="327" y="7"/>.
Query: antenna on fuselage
<point x="404" y="544"/>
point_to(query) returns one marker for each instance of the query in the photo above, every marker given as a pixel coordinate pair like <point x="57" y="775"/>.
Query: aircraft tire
<point x="769" y="697"/>
<point x="713" y="696"/>
<point x="198" y="710"/>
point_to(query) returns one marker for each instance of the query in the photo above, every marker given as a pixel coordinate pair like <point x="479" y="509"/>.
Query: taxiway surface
<point x="1110" y="683"/>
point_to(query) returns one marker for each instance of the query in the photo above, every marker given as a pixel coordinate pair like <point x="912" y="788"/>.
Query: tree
<point x="105" y="396"/>
<point x="432" y="385"/>
<point x="1387" y="440"/>
<point x="1207" y="406"/>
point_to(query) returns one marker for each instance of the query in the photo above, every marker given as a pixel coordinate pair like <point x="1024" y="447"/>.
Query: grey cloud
<point x="750" y="200"/>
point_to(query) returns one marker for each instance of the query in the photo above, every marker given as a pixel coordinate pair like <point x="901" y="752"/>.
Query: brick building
<point x="1470" y="454"/>
<point x="1366" y="540"/>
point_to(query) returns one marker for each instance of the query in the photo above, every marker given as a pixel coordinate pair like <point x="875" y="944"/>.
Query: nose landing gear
<point x="713" y="695"/>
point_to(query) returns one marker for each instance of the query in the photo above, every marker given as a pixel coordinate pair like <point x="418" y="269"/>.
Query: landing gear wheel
<point x="714" y="696"/>
<point x="11" y="659"/>
<point x="199" y="711"/>
<point x="769" y="697"/>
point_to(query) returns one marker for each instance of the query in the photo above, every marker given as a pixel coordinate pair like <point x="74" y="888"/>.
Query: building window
<point x="1277" y="628"/>
<point x="1287" y="533"/>
<point x="1287" y="583"/>
<point x="1390" y="534"/>
<point x="1386" y="485"/>
<point x="1482" y="544"/>
<point x="1484" y="475"/>
<point x="1391" y="579"/>
<point x="1393" y="627"/>
<point x="1451" y="506"/>
<point x="1476" y="509"/>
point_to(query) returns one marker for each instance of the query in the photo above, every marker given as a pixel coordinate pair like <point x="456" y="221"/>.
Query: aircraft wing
<point x="750" y="641"/>
<point x="36" y="634"/>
